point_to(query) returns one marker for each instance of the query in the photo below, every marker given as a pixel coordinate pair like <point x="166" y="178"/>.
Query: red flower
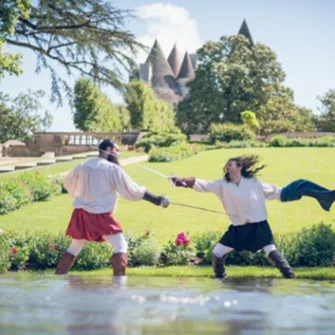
<point x="14" y="251"/>
<point x="182" y="239"/>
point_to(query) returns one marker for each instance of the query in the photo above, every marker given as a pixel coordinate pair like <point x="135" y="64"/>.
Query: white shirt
<point x="244" y="202"/>
<point x="95" y="185"/>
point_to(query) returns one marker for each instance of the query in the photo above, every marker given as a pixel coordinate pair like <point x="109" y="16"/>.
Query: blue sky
<point x="300" y="32"/>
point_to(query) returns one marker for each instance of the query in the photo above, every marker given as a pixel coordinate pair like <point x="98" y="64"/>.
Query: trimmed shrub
<point x="313" y="246"/>
<point x="164" y="139"/>
<point x="228" y="132"/>
<point x="172" y="153"/>
<point x="147" y="253"/>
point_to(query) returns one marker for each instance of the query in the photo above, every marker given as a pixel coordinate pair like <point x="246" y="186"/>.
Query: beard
<point x="113" y="159"/>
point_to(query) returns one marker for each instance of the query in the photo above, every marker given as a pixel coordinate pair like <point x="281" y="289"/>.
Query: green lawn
<point x="283" y="166"/>
<point x="62" y="167"/>
<point x="207" y="272"/>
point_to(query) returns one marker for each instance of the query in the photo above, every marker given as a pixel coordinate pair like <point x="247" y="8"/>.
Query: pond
<point x="32" y="303"/>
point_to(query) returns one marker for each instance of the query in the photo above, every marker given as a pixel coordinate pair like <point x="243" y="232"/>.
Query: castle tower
<point x="244" y="30"/>
<point x="186" y="74"/>
<point x="161" y="76"/>
<point x="175" y="60"/>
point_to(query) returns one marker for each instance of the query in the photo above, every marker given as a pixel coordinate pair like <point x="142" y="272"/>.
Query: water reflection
<point x="46" y="304"/>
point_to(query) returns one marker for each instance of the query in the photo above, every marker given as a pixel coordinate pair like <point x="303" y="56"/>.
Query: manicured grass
<point x="62" y="167"/>
<point x="207" y="272"/>
<point x="283" y="166"/>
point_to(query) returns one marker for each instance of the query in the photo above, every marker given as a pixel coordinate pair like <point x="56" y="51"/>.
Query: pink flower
<point x="14" y="251"/>
<point x="182" y="239"/>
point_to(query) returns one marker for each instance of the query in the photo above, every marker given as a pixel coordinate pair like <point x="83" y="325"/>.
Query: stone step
<point x="64" y="159"/>
<point x="25" y="165"/>
<point x="80" y="156"/>
<point x="46" y="162"/>
<point x="4" y="169"/>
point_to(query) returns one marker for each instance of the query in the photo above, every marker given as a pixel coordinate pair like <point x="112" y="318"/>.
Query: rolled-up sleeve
<point x="208" y="186"/>
<point x="271" y="192"/>
<point x="124" y="185"/>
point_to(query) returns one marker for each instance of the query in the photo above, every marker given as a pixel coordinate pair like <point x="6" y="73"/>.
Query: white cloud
<point x="169" y="24"/>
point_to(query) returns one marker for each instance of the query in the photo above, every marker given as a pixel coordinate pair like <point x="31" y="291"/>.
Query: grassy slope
<point x="283" y="166"/>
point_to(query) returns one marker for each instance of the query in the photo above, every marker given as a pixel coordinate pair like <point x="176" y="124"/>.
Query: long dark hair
<point x="246" y="162"/>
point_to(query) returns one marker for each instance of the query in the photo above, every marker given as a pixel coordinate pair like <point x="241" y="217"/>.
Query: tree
<point x="146" y="111"/>
<point x="93" y="111"/>
<point x="10" y="11"/>
<point x="83" y="35"/>
<point x="326" y="121"/>
<point x="232" y="77"/>
<point x="281" y="115"/>
<point x="124" y="117"/>
<point x="21" y="117"/>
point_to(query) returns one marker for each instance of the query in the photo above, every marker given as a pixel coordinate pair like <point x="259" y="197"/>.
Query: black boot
<point x="218" y="266"/>
<point x="279" y="261"/>
<point x="302" y="187"/>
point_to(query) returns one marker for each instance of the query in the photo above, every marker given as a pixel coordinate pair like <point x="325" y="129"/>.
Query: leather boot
<point x="218" y="266"/>
<point x="119" y="263"/>
<point x="279" y="261"/>
<point x="65" y="263"/>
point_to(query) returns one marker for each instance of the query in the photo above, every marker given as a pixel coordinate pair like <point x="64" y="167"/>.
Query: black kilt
<point x="250" y="236"/>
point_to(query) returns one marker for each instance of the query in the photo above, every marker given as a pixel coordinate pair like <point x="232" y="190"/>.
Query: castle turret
<point x="162" y="79"/>
<point x="175" y="60"/>
<point x="186" y="74"/>
<point x="244" y="30"/>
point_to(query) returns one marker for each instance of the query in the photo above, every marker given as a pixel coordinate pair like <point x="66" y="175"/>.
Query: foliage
<point x="173" y="254"/>
<point x="167" y="138"/>
<point x="94" y="256"/>
<point x="228" y="132"/>
<point x="233" y="77"/>
<point x="21" y="117"/>
<point x="147" y="253"/>
<point x="280" y="115"/>
<point x="172" y="153"/>
<point x="147" y="113"/>
<point x="326" y="121"/>
<point x="5" y="253"/>
<point x="10" y="11"/>
<point x="282" y="141"/>
<point x="92" y="110"/>
<point x="312" y="246"/>
<point x="82" y="36"/>
<point x="28" y="187"/>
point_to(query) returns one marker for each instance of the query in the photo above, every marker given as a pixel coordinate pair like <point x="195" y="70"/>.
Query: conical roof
<point x="244" y="30"/>
<point x="175" y="59"/>
<point x="162" y="75"/>
<point x="186" y="70"/>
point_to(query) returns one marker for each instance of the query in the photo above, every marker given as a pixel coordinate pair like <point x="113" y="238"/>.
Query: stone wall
<point x="20" y="151"/>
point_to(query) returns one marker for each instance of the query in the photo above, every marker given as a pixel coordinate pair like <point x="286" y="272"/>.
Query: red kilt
<point x="91" y="227"/>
